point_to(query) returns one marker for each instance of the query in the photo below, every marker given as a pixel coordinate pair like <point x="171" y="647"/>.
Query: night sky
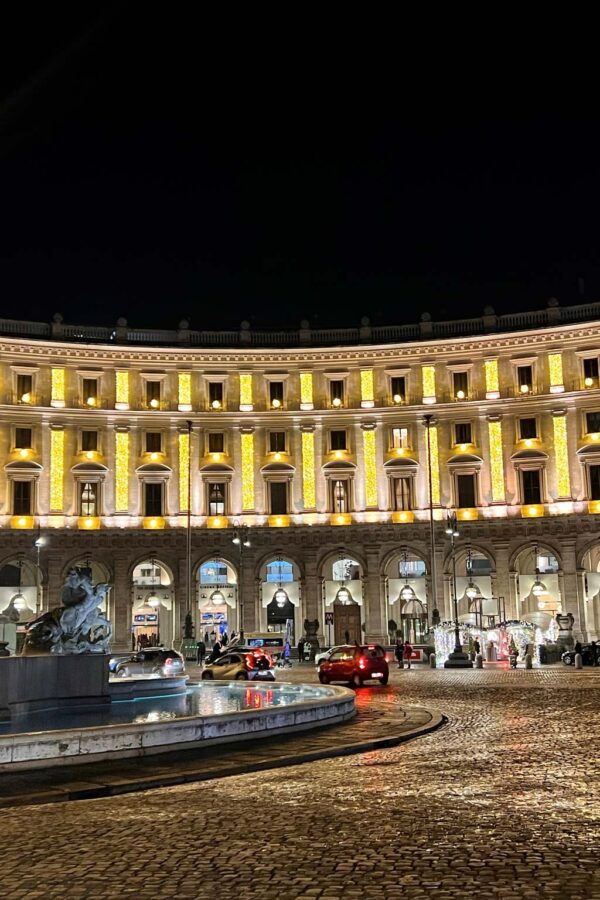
<point x="158" y="165"/>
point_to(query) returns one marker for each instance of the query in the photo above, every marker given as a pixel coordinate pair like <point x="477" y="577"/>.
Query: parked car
<point x="151" y="661"/>
<point x="587" y="656"/>
<point x="355" y="664"/>
<point x="239" y="666"/>
<point x="325" y="654"/>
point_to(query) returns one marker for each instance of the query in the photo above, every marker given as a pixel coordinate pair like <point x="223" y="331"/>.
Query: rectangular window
<point x="336" y="393"/>
<point x="398" y="385"/>
<point x="594" y="482"/>
<point x="88" y="499"/>
<point x="462" y="433"/>
<point x="525" y="379"/>
<point x="216" y="442"/>
<point x="340" y="494"/>
<point x="277" y="442"/>
<point x="465" y="489"/>
<point x="153" y="498"/>
<point x="153" y="394"/>
<point x="399" y="438"/>
<point x="89" y="440"/>
<point x="592" y="422"/>
<point x="216" y="499"/>
<point x="215" y="394"/>
<point x="402" y="494"/>
<point x="23" y="438"/>
<point x="590" y="371"/>
<point x="528" y="429"/>
<point x="532" y="486"/>
<point x="153" y="441"/>
<point x="24" y="388"/>
<point x="90" y="391"/>
<point x="276" y="394"/>
<point x="461" y="386"/>
<point x="338" y="440"/>
<point x="278" y="491"/>
<point x="22" y="498"/>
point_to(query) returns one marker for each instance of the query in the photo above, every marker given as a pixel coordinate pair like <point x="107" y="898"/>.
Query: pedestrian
<point x="476" y="647"/>
<point x="224" y="638"/>
<point x="287" y="652"/>
<point x="307" y="650"/>
<point x="399" y="652"/>
<point x="206" y="637"/>
<point x="347" y="636"/>
<point x="300" y="650"/>
<point x="594" y="653"/>
<point x="216" y="650"/>
<point x="578" y="648"/>
<point x="408" y="652"/>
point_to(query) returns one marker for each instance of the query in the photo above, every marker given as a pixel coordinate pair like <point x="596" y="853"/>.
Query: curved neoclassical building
<point x="293" y="474"/>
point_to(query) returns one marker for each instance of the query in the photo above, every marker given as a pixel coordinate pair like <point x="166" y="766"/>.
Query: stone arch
<point x="94" y="557"/>
<point x="272" y="555"/>
<point x="396" y="552"/>
<point x="217" y="557"/>
<point x="159" y="559"/>
<point x="334" y="554"/>
<point x="528" y="546"/>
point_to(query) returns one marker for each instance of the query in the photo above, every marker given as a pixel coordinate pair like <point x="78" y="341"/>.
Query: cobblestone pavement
<point x="503" y="802"/>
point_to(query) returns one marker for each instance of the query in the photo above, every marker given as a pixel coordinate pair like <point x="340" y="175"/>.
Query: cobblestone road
<point x="503" y="802"/>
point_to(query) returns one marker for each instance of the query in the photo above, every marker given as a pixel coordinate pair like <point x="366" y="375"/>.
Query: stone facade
<point x="323" y="454"/>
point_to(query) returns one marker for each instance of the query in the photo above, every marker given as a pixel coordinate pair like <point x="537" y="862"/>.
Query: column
<point x="52" y="595"/>
<point x="374" y="600"/>
<point x="121" y="604"/>
<point x="572" y="602"/>
<point x="312" y="606"/>
<point x="501" y="578"/>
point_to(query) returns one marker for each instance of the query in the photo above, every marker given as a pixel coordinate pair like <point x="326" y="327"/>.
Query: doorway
<point x="346" y="623"/>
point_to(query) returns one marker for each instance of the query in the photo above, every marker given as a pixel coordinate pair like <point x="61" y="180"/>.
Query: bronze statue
<point x="78" y="626"/>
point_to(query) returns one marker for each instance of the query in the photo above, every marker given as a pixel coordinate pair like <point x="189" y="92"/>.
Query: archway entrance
<point x="153" y="607"/>
<point x="217" y="613"/>
<point x="18" y="600"/>
<point x="538" y="588"/>
<point x="406" y="591"/>
<point x="280" y="601"/>
<point x="346" y="622"/>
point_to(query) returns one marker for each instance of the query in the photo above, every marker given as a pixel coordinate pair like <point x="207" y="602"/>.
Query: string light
<point x="309" y="495"/>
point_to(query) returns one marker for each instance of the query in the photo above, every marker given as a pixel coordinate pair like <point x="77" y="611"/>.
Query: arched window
<point x="213" y="572"/>
<point x="346" y="570"/>
<point x="280" y="571"/>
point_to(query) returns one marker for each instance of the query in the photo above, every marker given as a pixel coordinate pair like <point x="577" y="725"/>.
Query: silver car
<point x="152" y="661"/>
<point x="325" y="654"/>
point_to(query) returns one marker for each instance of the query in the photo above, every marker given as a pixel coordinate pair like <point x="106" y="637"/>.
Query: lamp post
<point x="38" y="544"/>
<point x="428" y="422"/>
<point x="458" y="659"/>
<point x="188" y="544"/>
<point x="241" y="537"/>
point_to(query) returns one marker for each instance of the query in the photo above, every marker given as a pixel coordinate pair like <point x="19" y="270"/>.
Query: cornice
<point x="479" y="346"/>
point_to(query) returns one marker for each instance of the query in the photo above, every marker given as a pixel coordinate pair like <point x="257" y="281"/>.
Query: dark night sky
<point x="157" y="165"/>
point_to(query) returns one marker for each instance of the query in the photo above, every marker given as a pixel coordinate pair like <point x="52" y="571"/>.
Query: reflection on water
<point x="199" y="700"/>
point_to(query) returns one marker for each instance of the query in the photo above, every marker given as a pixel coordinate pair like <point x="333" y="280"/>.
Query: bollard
<point x="432" y="660"/>
<point x="578" y="661"/>
<point x="479" y="661"/>
<point x="528" y="661"/>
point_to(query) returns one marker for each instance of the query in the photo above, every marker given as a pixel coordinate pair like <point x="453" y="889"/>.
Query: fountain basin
<point x="146" y="686"/>
<point x="248" y="712"/>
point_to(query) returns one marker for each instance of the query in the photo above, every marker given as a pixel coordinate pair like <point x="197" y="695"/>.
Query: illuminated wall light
<point x="428" y="374"/>
<point x="492" y="383"/>
<point x="370" y="457"/>
<point x="121" y="471"/>
<point x="154" y="403"/>
<point x="367" y="388"/>
<point x="496" y="461"/>
<point x="309" y="494"/>
<point x="246" y="399"/>
<point x="435" y="465"/>
<point x="247" y="471"/>
<point x="306" y="390"/>
<point x="184" y="470"/>
<point x="589" y="381"/>
<point x="555" y="367"/>
<point x="57" y="469"/>
<point x="561" y="456"/>
<point x="89" y="454"/>
<point x="24" y="453"/>
<point x="58" y="388"/>
<point x="595" y="437"/>
<point x="185" y="391"/>
<point x="122" y="390"/>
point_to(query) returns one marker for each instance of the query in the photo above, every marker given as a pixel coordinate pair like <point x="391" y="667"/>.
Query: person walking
<point x="399" y="652"/>
<point x="577" y="648"/>
<point x="216" y="650"/>
<point x="594" y="653"/>
<point x="200" y="652"/>
<point x="408" y="652"/>
<point x="287" y="652"/>
<point x="300" y="650"/>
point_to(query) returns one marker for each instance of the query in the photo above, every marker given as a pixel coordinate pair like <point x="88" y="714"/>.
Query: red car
<point x="355" y="665"/>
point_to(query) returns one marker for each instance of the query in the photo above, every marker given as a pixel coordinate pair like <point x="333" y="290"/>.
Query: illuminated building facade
<point x="315" y="440"/>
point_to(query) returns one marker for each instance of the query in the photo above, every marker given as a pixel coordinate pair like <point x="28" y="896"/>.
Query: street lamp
<point x="428" y="421"/>
<point x="241" y="537"/>
<point x="38" y="544"/>
<point x="538" y="587"/>
<point x="458" y="659"/>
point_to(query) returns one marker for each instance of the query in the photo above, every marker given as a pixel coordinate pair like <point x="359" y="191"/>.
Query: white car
<point x="325" y="654"/>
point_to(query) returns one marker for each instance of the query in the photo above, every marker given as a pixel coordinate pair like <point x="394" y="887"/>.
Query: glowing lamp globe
<point x="18" y="601"/>
<point x="343" y="595"/>
<point x="589" y="381"/>
<point x="154" y="403"/>
<point x="337" y="401"/>
<point x="26" y="397"/>
<point x="275" y="403"/>
<point x="460" y="395"/>
<point x="216" y="404"/>
<point x="153" y="601"/>
<point x="280" y="597"/>
<point x="217" y="599"/>
<point x="91" y="401"/>
<point x="524" y="388"/>
<point x="471" y="591"/>
<point x="397" y="398"/>
<point x="407" y="593"/>
<point x="538" y="588"/>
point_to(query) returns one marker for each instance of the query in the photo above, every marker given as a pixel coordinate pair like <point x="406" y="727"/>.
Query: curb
<point x="162" y="781"/>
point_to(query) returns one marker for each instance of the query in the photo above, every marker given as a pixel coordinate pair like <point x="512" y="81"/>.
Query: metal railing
<point x="424" y="330"/>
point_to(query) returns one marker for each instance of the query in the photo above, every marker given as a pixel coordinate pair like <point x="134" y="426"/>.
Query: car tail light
<point x="169" y="661"/>
<point x="362" y="663"/>
<point x="249" y="662"/>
